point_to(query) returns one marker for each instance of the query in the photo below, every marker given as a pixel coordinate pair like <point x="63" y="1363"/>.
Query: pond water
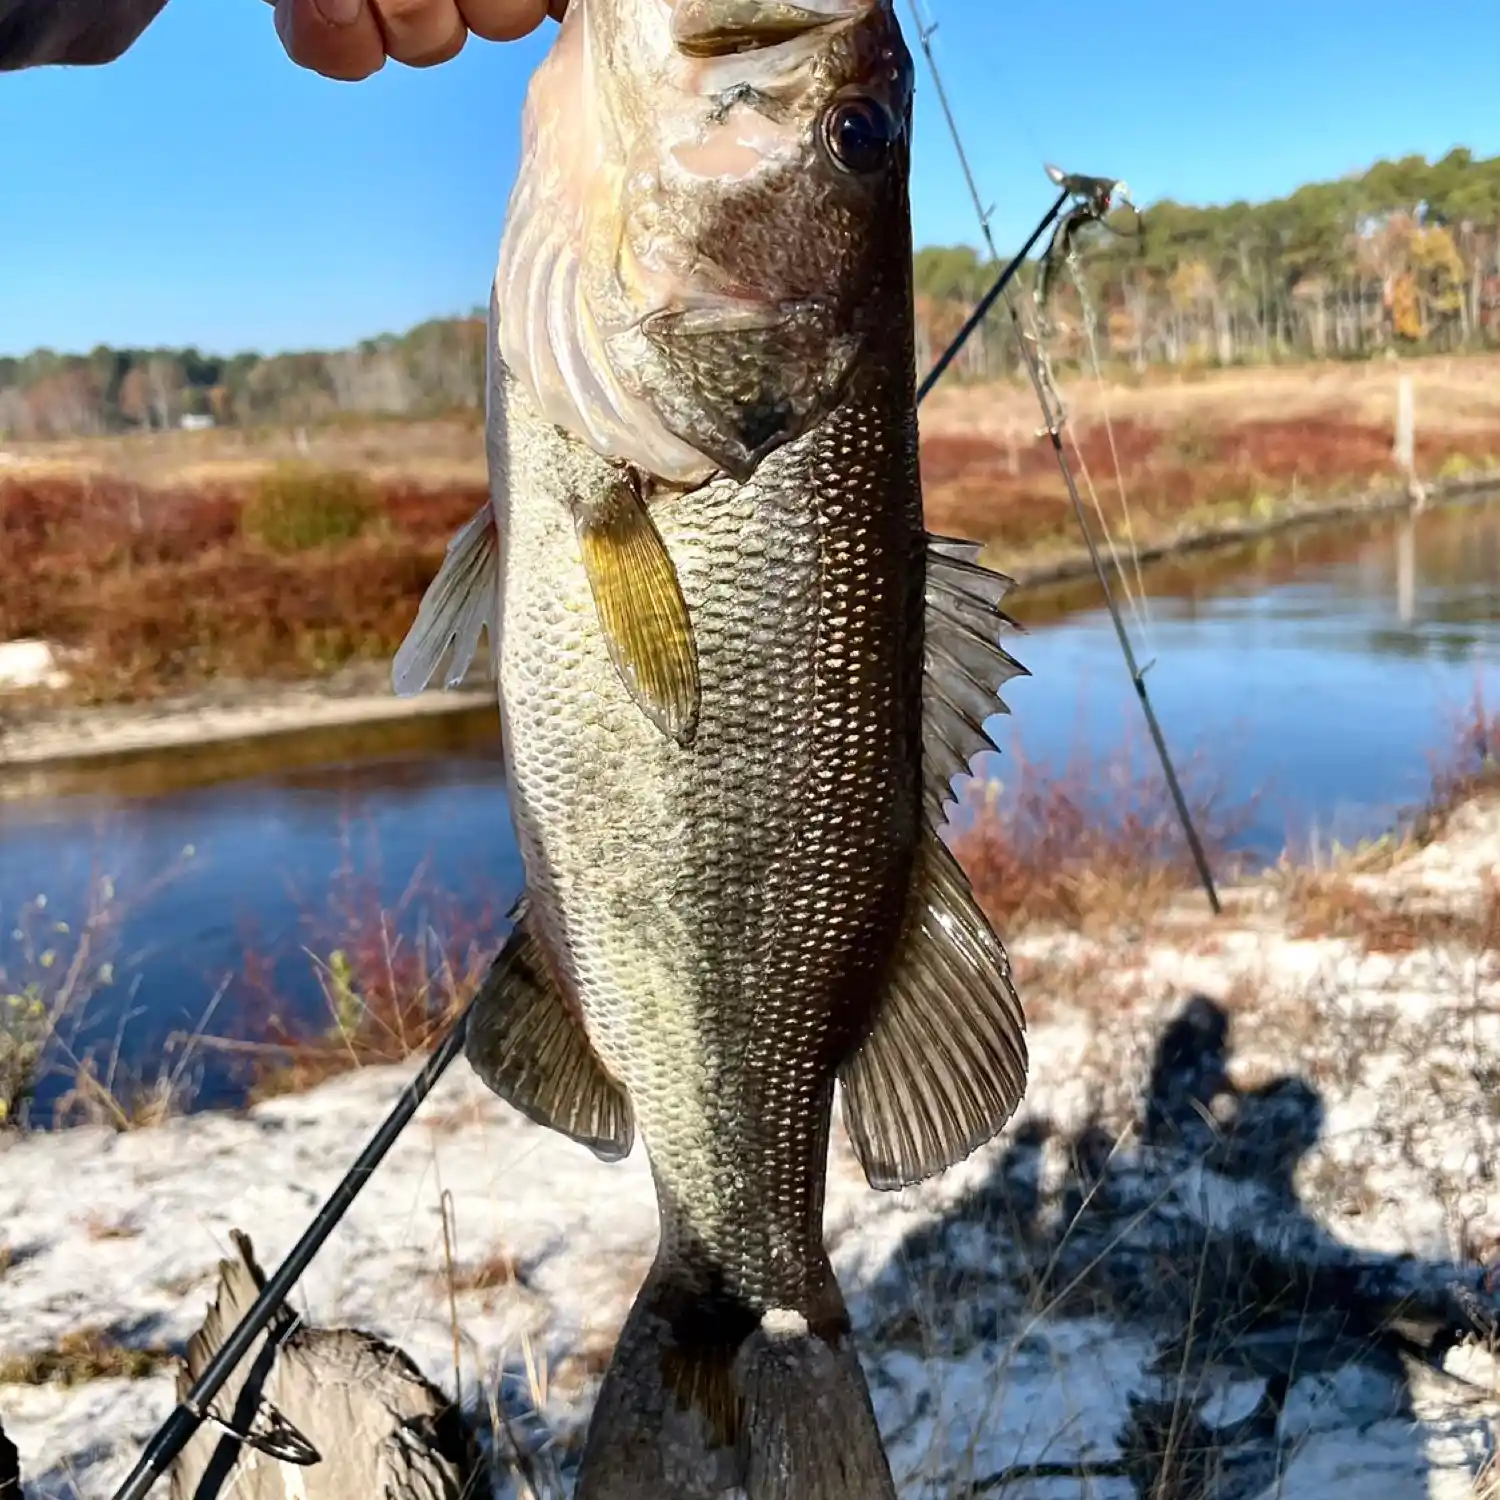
<point x="1314" y="676"/>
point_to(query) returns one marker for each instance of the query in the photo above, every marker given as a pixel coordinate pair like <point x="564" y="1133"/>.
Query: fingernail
<point x="340" y="12"/>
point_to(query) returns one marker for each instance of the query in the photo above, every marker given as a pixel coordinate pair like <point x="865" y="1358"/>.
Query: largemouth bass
<point x="737" y="678"/>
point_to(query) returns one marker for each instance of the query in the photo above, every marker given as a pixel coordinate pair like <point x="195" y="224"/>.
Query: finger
<point x="421" y="33"/>
<point x="337" y="38"/>
<point x="504" y="20"/>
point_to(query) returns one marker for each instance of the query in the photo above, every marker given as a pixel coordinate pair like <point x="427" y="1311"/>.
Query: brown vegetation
<point x="1346" y="902"/>
<point x="1176" y="480"/>
<point x="160" y="591"/>
<point x="388" y="997"/>
<point x="501" y="1269"/>
<point x="1336" y="908"/>
<point x="294" y="570"/>
<point x="1093" y="845"/>
<point x="80" y="1356"/>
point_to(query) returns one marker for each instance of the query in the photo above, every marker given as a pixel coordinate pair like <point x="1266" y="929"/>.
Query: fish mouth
<point x="725" y="28"/>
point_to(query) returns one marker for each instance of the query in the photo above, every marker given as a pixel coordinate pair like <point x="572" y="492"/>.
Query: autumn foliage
<point x="1015" y="498"/>
<point x="162" y="590"/>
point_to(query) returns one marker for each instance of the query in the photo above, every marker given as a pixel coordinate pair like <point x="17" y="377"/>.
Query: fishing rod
<point x="982" y="309"/>
<point x="193" y="1410"/>
<point x="1093" y="197"/>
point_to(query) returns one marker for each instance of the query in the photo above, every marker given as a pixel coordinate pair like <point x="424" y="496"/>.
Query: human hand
<point x="351" y="39"/>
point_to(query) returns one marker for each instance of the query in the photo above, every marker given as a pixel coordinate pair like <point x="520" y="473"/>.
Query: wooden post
<point x="1404" y="450"/>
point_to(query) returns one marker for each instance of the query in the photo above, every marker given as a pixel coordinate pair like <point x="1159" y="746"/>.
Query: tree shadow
<point x="1186" y="1232"/>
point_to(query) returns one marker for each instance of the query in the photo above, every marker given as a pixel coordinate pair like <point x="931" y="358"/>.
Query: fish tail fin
<point x="809" y="1427"/>
<point x="705" y="1395"/>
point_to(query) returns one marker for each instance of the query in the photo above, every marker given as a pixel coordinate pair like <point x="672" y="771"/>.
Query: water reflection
<point x="250" y="867"/>
<point x="1320" y="671"/>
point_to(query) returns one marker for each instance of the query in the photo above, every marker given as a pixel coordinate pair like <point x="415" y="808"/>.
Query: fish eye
<point x="859" y="134"/>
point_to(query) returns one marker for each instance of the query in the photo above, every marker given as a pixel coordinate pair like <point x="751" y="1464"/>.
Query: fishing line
<point x="1084" y="189"/>
<point x="1041" y="327"/>
<point x="1140" y="599"/>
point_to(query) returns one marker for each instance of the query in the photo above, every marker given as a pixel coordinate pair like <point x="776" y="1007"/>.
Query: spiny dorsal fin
<point x="965" y="665"/>
<point x="944" y="1065"/>
<point x="641" y="609"/>
<point x="529" y="1045"/>
<point x="458" y="604"/>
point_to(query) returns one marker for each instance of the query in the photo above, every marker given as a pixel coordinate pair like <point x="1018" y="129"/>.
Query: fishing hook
<point x="1093" y="201"/>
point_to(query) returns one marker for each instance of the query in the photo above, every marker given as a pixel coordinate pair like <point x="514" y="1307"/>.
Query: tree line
<point x="436" y="368"/>
<point x="1405" y="255"/>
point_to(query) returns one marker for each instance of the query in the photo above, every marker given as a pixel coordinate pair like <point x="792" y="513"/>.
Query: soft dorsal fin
<point x="944" y="1066"/>
<point x="529" y="1045"/>
<point x="459" y="603"/>
<point x="965" y="666"/>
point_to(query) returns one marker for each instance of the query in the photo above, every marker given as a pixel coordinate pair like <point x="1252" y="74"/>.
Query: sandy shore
<point x="238" y="726"/>
<point x="1290" y="1272"/>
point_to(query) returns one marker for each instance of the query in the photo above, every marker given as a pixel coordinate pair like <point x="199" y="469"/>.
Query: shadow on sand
<point x="1185" y="1233"/>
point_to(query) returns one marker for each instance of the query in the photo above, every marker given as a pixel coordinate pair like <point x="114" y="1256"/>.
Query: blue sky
<point x="203" y="190"/>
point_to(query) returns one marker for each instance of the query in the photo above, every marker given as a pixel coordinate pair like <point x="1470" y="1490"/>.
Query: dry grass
<point x="99" y="1228"/>
<point x="1339" y="900"/>
<point x="83" y="1355"/>
<point x="1180" y="479"/>
<point x="1335" y="908"/>
<point x="1470" y="769"/>
<point x="1093" y="845"/>
<point x="122" y="1101"/>
<point x="495" y="1271"/>
<point x="55" y="965"/>
<point x="166" y="561"/>
<point x="160" y="591"/>
<point x="1453" y="393"/>
<point x="435" y="452"/>
<point x="389" y="995"/>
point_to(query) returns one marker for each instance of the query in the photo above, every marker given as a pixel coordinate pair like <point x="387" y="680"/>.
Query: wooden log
<point x="317" y="1414"/>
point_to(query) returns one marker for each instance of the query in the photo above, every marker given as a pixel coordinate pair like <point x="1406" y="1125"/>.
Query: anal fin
<point x="944" y="1066"/>
<point x="528" y="1044"/>
<point x="641" y="609"/>
<point x="459" y="603"/>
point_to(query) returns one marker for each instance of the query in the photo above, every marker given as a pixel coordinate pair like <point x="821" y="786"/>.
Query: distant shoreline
<point x="46" y="751"/>
<point x="1471" y="488"/>
<point x="54" y="752"/>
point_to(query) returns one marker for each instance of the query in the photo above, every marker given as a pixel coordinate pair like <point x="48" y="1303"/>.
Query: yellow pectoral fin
<point x="641" y="610"/>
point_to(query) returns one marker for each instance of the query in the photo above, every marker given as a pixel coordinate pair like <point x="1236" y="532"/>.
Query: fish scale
<point x="802" y="786"/>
